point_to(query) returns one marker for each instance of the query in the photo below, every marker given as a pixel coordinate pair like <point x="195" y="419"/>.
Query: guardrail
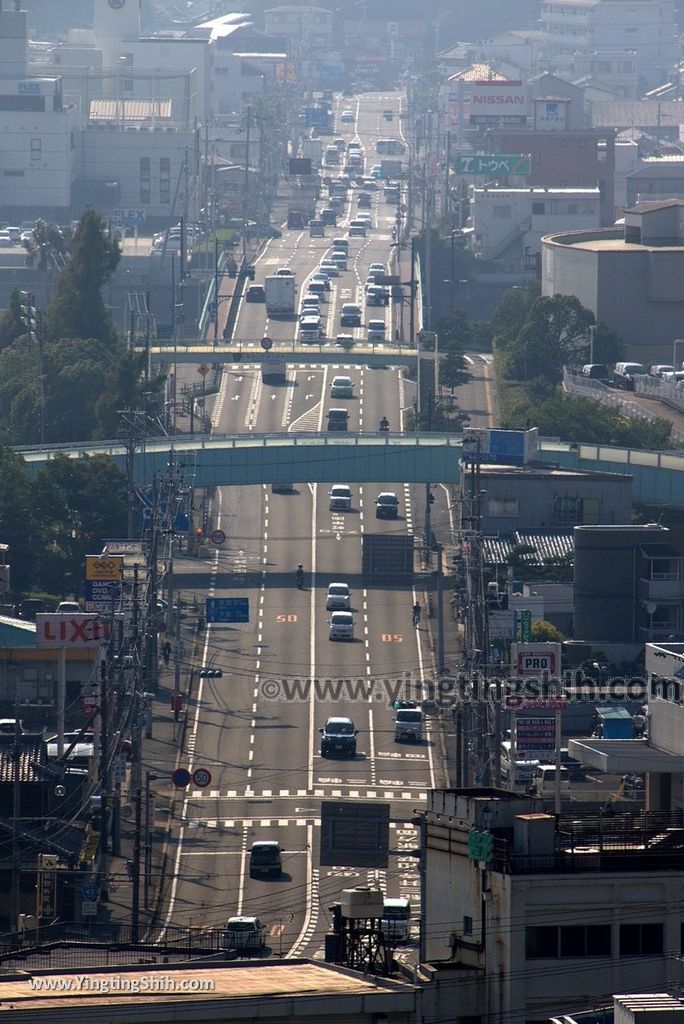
<point x="576" y="384"/>
<point x="210" y="297"/>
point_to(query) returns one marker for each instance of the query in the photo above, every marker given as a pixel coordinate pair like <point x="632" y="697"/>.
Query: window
<point x="13" y="174"/>
<point x="499" y="507"/>
<point x="128" y="85"/>
<point x="145" y="179"/>
<point x="641" y="939"/>
<point x="164" y="179"/>
<point x="539" y="209"/>
<point x="567" y="941"/>
<point x="36" y="149"/>
<point x="467" y="925"/>
<point x="567" y="510"/>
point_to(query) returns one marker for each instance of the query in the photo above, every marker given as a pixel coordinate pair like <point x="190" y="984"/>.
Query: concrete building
<point x="617" y="71"/>
<point x="524" y="498"/>
<point x="629" y="584"/>
<point x="546" y="86"/>
<point x="656" y="178"/>
<point x="517" y="46"/>
<point x="627" y="161"/>
<point x="572" y="28"/>
<point x="630" y="277"/>
<point x="302" y="25"/>
<point x="510" y="222"/>
<point x="564" y="159"/>
<point x="281" y="991"/>
<point x="526" y="912"/>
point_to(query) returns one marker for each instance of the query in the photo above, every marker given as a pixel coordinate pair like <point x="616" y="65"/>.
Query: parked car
<point x="596" y="371"/>
<point x="626" y="372"/>
<point x="660" y="369"/>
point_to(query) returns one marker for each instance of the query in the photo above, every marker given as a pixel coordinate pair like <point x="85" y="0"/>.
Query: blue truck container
<point x="613" y="723"/>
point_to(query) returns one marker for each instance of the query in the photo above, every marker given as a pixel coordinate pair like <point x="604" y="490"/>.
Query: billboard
<point x="535" y="660"/>
<point x="498" y="163"/>
<point x="535" y="735"/>
<point x="498" y="102"/>
<point x="551" y="115"/>
<point x="504" y="447"/>
<point x="354" y="834"/>
<point x="77" y="632"/>
<point x="103" y="582"/>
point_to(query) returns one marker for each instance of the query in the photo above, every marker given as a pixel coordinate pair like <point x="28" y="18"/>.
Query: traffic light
<point x="199" y="532"/>
<point x="211" y="673"/>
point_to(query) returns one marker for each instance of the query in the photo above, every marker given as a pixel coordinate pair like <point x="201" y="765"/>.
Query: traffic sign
<point x="89" y="908"/>
<point x="266" y="344"/>
<point x="201" y="777"/>
<point x="227" y="609"/>
<point x="203" y="369"/>
<point x="89" y="892"/>
<point x="181" y="778"/>
<point x="218" y="537"/>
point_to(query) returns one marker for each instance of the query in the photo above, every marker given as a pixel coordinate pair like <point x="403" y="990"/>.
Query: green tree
<point x="124" y="388"/>
<point x="453" y="331"/>
<point x="78" y="309"/>
<point x="49" y="245"/>
<point x="12" y="324"/>
<point x="555" y="332"/>
<point x="453" y="369"/>
<point x="511" y="313"/>
<point x="18" y="524"/>
<point x="546" y="632"/>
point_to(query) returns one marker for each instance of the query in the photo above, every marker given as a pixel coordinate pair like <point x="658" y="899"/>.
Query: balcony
<point x="660" y="587"/>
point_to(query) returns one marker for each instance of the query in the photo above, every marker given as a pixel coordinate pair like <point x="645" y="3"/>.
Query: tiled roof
<point x="636" y="113"/>
<point x="547" y="544"/>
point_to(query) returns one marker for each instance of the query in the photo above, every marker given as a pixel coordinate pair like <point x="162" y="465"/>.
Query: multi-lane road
<point x="256" y="729"/>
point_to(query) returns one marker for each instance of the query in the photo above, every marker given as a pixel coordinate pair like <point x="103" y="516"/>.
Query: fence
<point x="585" y="387"/>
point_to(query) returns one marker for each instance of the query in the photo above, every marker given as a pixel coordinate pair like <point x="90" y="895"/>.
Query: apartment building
<point x="512" y="221"/>
<point x="575" y="28"/>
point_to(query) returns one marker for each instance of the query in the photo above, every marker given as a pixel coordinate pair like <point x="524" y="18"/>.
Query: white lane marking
<point x="312" y="605"/>
<point x="243" y="870"/>
<point x="256" y="380"/>
<point x="311" y="916"/>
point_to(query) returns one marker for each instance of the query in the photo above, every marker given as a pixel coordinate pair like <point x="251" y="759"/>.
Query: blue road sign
<point x="227" y="609"/>
<point x="181" y="777"/>
<point x="89" y="893"/>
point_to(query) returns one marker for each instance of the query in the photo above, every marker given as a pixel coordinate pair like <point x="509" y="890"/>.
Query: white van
<point x="544" y="780"/>
<point x="396" y="919"/>
<point x="408" y="725"/>
<point x="521" y="777"/>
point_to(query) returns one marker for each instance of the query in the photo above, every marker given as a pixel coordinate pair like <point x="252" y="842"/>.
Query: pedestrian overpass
<point x="220" y="460"/>
<point x="251" y="351"/>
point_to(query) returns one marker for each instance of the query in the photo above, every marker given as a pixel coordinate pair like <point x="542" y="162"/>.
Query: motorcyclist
<point x="300" y="575"/>
<point x="384" y="423"/>
<point x="416" y="614"/>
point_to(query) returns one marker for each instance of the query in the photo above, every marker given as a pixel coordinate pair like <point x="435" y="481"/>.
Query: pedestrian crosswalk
<point x="253" y="823"/>
<point x="408" y="791"/>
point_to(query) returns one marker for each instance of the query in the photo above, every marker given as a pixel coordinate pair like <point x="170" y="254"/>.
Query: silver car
<point x="339" y="597"/>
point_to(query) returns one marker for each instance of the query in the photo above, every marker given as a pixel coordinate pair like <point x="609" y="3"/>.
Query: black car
<point x="338" y="738"/>
<point x="255" y="293"/>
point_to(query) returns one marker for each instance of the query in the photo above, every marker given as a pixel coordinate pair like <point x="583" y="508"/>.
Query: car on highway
<point x="363" y="201"/>
<point x="284" y="272"/>
<point x="357" y="230"/>
<point x="339" y="598"/>
<point x="338" y="735"/>
<point x="340" y="496"/>
<point x="342" y="387"/>
<point x="376" y="330"/>
<point x="386" y="505"/>
<point x="244" y="934"/>
<point x="346" y="340"/>
<point x="377" y="295"/>
<point x="310" y="328"/>
<point x="311" y="301"/>
<point x="340" y="244"/>
<point x="377" y="268"/>
<point x="337" y="205"/>
<point x="341" y="626"/>
<point x="317" y="288"/>
<point x="339" y="258"/>
<point x="347" y="117"/>
<point x="329" y="217"/>
<point x="340" y="143"/>
<point x="69" y="608"/>
<point x="328" y="267"/>
<point x="255" y="293"/>
<point x="319" y="278"/>
<point x="350" y="315"/>
<point x="338" y="419"/>
<point x="370" y="280"/>
<point x="265" y="859"/>
<point x="365" y="219"/>
<point x="82" y="751"/>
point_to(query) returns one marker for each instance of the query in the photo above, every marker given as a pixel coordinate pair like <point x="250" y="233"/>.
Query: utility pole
<point x="440" y="611"/>
<point x="216" y="288"/>
<point x="15" y="902"/>
<point x="34" y="330"/>
<point x="136" y="774"/>
<point x="245" y="205"/>
<point x="104" y="776"/>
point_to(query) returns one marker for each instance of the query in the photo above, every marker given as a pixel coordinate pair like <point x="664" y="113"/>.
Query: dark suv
<point x="338" y="738"/>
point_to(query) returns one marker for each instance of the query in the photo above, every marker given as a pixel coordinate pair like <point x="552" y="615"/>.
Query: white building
<point x="646" y="27"/>
<point x="512" y="221"/>
<point x="526" y="913"/>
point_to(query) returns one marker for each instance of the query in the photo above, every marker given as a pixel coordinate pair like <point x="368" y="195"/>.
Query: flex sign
<point x="73" y="631"/>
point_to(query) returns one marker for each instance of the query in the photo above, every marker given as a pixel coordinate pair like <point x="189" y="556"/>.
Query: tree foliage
<point x="78" y="309"/>
<point x="545" y="632"/>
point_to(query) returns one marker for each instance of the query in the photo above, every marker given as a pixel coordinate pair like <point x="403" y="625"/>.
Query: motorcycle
<point x="384" y="425"/>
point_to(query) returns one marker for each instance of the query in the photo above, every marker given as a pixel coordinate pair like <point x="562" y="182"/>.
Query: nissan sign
<point x="73" y="631"/>
<point x="497" y="100"/>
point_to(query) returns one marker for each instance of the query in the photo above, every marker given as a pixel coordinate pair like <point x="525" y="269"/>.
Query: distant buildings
<point x="630" y="277"/>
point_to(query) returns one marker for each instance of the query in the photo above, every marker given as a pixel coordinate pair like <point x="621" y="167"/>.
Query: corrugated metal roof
<point x="130" y="110"/>
<point x="16" y="633"/>
<point x="478" y="73"/>
<point x="32" y="755"/>
<point x="546" y="543"/>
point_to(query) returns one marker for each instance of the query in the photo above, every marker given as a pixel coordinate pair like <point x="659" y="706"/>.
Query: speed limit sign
<point x="201" y="777"/>
<point x="218" y="537"/>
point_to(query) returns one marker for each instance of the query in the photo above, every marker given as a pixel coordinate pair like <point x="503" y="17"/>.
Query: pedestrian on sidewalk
<point x="166" y="653"/>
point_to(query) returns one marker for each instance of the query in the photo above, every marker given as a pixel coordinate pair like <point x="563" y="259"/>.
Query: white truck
<point x="312" y="149"/>
<point x="280" y="295"/>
